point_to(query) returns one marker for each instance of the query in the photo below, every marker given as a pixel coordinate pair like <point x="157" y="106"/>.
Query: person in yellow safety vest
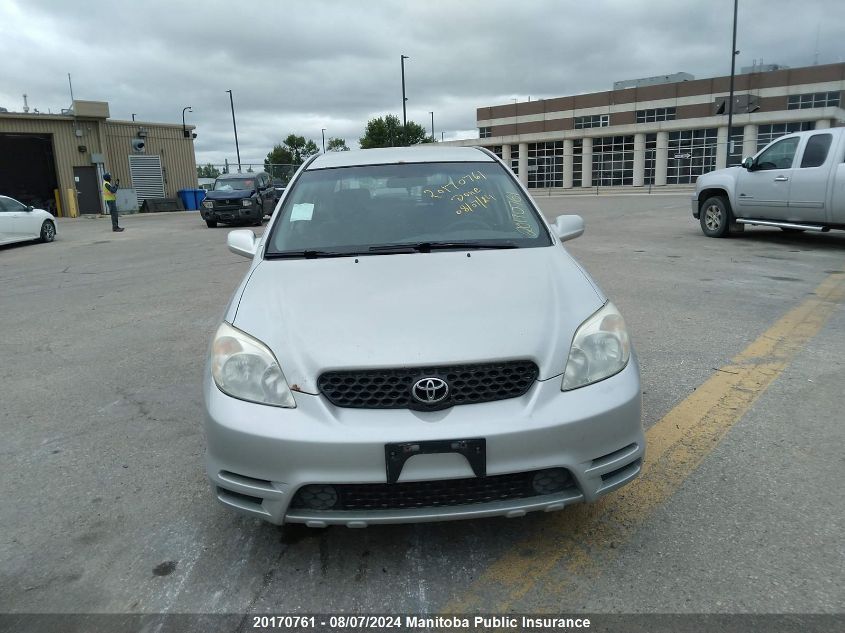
<point x="111" y="200"/>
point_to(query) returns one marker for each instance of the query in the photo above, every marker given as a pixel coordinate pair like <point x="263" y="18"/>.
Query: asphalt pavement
<point x="104" y="505"/>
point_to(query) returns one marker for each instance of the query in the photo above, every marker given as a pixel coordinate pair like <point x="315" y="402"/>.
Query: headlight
<point x="245" y="368"/>
<point x="208" y="204"/>
<point x="599" y="350"/>
<point x="246" y="202"/>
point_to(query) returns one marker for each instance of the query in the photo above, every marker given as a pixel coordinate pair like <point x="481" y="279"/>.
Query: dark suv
<point x="242" y="198"/>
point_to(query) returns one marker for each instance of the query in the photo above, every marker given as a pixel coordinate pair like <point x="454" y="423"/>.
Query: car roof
<point x="425" y="153"/>
<point x="245" y="174"/>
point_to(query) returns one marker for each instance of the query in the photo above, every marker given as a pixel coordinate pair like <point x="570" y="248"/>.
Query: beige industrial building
<point x="56" y="161"/>
<point x="665" y="130"/>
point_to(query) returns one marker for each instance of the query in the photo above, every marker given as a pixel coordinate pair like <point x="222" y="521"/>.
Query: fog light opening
<point x="547" y="482"/>
<point x="318" y="496"/>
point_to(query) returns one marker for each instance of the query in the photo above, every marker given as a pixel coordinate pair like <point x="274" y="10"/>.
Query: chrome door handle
<point x="781" y="179"/>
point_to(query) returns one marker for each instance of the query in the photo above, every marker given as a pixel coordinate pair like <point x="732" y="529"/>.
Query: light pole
<point x="184" y="129"/>
<point x="734" y="53"/>
<point x="324" y="140"/>
<point x="235" y="125"/>
<point x="133" y="116"/>
<point x="404" y="98"/>
<point x="432" y="126"/>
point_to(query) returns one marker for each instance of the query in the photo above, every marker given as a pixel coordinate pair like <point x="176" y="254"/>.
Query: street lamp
<point x="324" y="140"/>
<point x="235" y="125"/>
<point x="184" y="129"/>
<point x="734" y="53"/>
<point x="404" y="98"/>
<point x="133" y="116"/>
<point x="432" y="126"/>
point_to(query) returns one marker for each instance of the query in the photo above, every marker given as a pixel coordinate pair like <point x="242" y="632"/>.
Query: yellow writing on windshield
<point x="452" y="187"/>
<point x="464" y="190"/>
<point x="474" y="202"/>
<point x="519" y="214"/>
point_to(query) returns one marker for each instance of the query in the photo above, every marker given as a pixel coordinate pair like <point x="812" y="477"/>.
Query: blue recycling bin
<point x="191" y="198"/>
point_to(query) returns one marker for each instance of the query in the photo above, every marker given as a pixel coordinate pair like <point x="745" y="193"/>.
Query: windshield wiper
<point x="307" y="254"/>
<point x="427" y="247"/>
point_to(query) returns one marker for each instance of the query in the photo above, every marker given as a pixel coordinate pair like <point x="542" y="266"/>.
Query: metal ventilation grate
<point x="147" y="178"/>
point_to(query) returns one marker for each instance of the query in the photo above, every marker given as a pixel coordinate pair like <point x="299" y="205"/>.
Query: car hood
<point x="235" y="194"/>
<point x="716" y="174"/>
<point x="417" y="310"/>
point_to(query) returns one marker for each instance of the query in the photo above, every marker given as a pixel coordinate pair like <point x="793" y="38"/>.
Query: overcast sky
<point x="302" y="66"/>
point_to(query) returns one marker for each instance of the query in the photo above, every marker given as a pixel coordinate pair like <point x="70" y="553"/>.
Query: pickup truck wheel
<point x="716" y="217"/>
<point x="212" y="224"/>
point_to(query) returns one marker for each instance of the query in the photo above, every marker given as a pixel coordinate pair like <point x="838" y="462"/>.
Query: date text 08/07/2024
<point x="415" y="622"/>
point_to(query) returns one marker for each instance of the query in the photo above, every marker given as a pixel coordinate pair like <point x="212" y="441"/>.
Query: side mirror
<point x="748" y="162"/>
<point x="242" y="242"/>
<point x="30" y="207"/>
<point x="568" y="227"/>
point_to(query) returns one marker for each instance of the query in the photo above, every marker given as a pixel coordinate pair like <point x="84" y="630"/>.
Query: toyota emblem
<point x="430" y="390"/>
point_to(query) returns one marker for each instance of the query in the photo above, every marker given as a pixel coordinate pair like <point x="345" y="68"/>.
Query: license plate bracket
<point x="473" y="449"/>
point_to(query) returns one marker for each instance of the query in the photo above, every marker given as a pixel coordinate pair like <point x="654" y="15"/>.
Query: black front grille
<point x="227" y="205"/>
<point x="392" y="388"/>
<point x="433" y="494"/>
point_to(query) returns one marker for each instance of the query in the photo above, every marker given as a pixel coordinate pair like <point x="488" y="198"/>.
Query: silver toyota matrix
<point x="413" y="343"/>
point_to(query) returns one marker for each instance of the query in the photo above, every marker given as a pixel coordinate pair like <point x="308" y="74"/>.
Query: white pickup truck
<point x="796" y="182"/>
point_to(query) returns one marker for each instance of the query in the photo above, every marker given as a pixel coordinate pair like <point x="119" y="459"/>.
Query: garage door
<point x="147" y="179"/>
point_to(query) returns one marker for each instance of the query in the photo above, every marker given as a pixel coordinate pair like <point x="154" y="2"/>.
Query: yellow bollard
<point x="58" y="198"/>
<point x="73" y="209"/>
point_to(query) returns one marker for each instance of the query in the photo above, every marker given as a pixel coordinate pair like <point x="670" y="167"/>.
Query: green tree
<point x="207" y="171"/>
<point x="337" y="145"/>
<point x="283" y="159"/>
<point x="279" y="155"/>
<point x="300" y="148"/>
<point x="387" y="131"/>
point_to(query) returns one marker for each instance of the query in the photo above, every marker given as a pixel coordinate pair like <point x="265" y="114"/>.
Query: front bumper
<point x="233" y="215"/>
<point x="258" y="456"/>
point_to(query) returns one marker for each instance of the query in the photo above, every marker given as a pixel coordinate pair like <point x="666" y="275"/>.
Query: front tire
<point x="212" y="224"/>
<point x="715" y="217"/>
<point x="48" y="231"/>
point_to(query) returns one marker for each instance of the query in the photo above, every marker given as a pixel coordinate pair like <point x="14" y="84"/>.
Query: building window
<point x="545" y="164"/>
<point x="655" y="114"/>
<point x="768" y="133"/>
<point x="577" y="161"/>
<point x="485" y="132"/>
<point x="813" y="100"/>
<point x="497" y="150"/>
<point x="650" y="152"/>
<point x="613" y="161"/>
<point x="691" y="153"/>
<point x="596" y="120"/>
<point x="735" y="146"/>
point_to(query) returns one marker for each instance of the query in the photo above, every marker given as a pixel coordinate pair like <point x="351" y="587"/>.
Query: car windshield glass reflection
<point x="423" y="205"/>
<point x="233" y="185"/>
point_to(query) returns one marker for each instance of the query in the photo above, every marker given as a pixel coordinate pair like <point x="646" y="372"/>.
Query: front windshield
<point x="234" y="184"/>
<point x="359" y="209"/>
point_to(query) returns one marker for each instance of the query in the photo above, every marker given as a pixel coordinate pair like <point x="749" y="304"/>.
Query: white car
<point x="20" y="223"/>
<point x="413" y="343"/>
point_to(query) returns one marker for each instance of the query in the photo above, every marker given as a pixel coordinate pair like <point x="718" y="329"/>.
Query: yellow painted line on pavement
<point x="571" y="546"/>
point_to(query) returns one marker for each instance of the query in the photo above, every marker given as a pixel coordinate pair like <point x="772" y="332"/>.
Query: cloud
<point x="302" y="66"/>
